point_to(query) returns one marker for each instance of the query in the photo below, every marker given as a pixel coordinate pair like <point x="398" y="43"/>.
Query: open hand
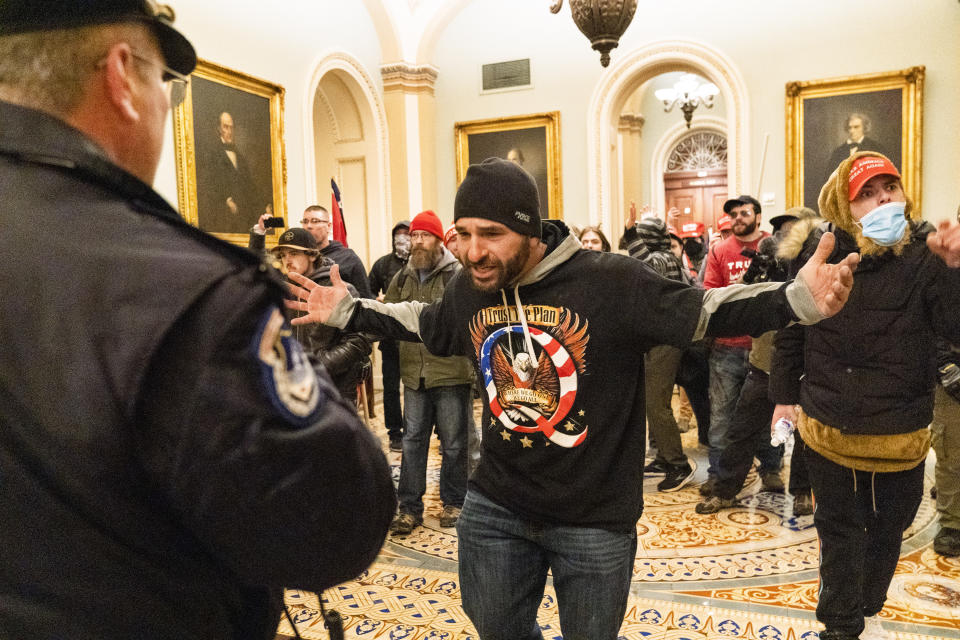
<point x="945" y="242"/>
<point x="632" y="218"/>
<point x="317" y="300"/>
<point x="830" y="284"/>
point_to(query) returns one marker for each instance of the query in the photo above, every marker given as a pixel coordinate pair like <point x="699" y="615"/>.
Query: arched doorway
<point x="619" y="84"/>
<point x="346" y="129"/>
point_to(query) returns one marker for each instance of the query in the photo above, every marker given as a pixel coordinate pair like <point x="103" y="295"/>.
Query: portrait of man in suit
<point x="836" y="126"/>
<point x="230" y="199"/>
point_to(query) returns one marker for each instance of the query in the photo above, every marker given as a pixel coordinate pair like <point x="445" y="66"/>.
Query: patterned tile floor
<point x="745" y="573"/>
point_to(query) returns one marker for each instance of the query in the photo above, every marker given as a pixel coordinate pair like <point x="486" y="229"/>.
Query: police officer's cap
<point x="23" y="16"/>
<point x="297" y="238"/>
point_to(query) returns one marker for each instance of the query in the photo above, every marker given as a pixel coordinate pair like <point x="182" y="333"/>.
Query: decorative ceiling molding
<point x="408" y="78"/>
<point x="616" y="86"/>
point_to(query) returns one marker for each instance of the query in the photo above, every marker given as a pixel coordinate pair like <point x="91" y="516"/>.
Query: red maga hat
<point x="868" y="167"/>
<point x="691" y="230"/>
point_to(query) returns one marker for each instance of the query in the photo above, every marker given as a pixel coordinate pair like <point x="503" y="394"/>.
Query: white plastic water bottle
<point x="782" y="430"/>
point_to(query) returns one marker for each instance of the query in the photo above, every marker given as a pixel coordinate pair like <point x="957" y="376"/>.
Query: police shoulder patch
<point x="286" y="373"/>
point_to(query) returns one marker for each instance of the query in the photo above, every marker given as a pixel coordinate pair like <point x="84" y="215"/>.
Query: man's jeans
<point x="450" y="408"/>
<point x="503" y="569"/>
<point x="728" y="370"/>
<point x="748" y="435"/>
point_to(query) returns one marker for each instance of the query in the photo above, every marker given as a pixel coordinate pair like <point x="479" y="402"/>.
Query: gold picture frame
<point x="537" y="139"/>
<point x="221" y="192"/>
<point x="891" y="108"/>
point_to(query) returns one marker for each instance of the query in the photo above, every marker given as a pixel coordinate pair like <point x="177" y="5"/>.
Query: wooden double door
<point x="698" y="195"/>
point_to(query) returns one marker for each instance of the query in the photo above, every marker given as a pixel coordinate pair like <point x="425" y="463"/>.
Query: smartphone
<point x="274" y="222"/>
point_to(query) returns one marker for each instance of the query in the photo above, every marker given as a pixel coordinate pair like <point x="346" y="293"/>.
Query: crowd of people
<point x="179" y="424"/>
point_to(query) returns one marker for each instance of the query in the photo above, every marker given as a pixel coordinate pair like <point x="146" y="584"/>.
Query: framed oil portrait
<point x="228" y="138"/>
<point x="827" y="120"/>
<point x="532" y="141"/>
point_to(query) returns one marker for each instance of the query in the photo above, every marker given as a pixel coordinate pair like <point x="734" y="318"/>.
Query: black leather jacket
<point x="167" y="463"/>
<point x="344" y="354"/>
<point x="871" y="368"/>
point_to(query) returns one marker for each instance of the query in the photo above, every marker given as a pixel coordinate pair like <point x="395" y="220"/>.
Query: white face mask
<point x="886" y="224"/>
<point x="401" y="246"/>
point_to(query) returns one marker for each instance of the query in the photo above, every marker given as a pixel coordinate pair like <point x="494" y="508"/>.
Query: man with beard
<point x="729" y="356"/>
<point x="436" y="390"/>
<point x="556" y="333"/>
<point x="381" y="274"/>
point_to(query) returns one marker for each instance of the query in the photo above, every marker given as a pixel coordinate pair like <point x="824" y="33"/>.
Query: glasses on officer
<point x="176" y="82"/>
<point x="312" y="221"/>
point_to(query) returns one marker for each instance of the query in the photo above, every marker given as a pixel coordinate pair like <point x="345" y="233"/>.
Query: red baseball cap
<point x="868" y="167"/>
<point x="724" y="223"/>
<point x="691" y="230"/>
<point x="427" y="221"/>
<point x="449" y="234"/>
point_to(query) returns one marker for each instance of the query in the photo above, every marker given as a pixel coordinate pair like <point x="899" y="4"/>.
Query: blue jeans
<point x="451" y="409"/>
<point x="504" y="561"/>
<point x="728" y="370"/>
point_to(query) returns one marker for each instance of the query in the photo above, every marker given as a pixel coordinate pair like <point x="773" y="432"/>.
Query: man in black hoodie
<point x="556" y="333"/>
<point x="381" y="274"/>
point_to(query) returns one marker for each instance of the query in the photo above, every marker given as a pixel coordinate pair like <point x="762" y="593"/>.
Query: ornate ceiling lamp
<point x="688" y="94"/>
<point x="602" y="21"/>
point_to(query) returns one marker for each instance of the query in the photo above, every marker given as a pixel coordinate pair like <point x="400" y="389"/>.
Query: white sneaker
<point x="873" y="630"/>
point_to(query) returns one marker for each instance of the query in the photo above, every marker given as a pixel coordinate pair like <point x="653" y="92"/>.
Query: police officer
<point x="167" y="460"/>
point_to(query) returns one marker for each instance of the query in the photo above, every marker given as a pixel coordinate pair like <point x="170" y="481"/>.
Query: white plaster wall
<point x="771" y="43"/>
<point x="280" y="42"/>
<point x="562" y="70"/>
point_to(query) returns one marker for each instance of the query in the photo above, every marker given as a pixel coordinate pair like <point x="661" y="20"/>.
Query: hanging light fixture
<point x="689" y="94"/>
<point x="602" y="21"/>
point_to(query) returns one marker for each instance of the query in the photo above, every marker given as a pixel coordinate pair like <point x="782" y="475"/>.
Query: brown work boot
<point x="449" y="516"/>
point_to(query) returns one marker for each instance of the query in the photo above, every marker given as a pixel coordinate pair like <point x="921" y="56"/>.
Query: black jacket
<point x="383" y="270"/>
<point x="871" y="369"/>
<point x="167" y="462"/>
<point x="351" y="268"/>
<point x="344" y="354"/>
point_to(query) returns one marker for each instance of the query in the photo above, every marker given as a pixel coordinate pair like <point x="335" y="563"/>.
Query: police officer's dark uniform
<point x="167" y="461"/>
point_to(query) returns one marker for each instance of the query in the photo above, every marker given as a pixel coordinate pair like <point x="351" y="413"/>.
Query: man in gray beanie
<point x="550" y="327"/>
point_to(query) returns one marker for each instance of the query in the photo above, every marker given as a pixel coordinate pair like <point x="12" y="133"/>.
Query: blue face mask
<point x="886" y="224"/>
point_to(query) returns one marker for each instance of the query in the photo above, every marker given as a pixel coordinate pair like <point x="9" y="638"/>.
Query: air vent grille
<point x="506" y="75"/>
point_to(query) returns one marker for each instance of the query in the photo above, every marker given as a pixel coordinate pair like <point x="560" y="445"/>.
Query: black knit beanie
<point x="500" y="190"/>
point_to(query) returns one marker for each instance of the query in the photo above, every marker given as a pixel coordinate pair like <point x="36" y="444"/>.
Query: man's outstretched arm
<point x="819" y="291"/>
<point x="334" y="306"/>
